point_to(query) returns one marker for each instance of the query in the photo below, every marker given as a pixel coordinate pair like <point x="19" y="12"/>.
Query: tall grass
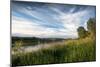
<point x="80" y="50"/>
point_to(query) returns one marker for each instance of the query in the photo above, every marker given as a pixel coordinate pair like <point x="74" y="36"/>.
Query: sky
<point x="49" y="20"/>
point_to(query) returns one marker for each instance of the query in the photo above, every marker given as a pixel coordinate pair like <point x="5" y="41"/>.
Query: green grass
<point x="80" y="50"/>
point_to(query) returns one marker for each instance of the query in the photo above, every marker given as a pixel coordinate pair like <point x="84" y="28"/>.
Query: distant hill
<point x="34" y="40"/>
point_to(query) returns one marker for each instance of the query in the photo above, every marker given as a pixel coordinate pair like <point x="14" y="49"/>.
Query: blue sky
<point x="31" y="19"/>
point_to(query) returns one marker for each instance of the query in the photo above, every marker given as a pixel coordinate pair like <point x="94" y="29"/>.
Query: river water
<point x="39" y="47"/>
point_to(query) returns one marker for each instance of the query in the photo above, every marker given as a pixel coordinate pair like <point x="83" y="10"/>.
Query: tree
<point x="91" y="25"/>
<point x="82" y="33"/>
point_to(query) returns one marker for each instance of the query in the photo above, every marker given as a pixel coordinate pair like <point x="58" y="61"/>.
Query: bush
<point x="82" y="32"/>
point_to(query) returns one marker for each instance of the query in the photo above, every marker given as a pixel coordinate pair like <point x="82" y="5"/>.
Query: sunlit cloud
<point x="49" y="20"/>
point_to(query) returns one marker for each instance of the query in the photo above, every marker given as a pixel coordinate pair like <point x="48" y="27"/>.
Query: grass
<point x="79" y="50"/>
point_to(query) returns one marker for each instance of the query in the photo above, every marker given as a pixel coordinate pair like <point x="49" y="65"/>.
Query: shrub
<point x="81" y="32"/>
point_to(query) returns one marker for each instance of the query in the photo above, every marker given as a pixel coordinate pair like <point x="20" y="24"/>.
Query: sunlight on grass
<point x="73" y="51"/>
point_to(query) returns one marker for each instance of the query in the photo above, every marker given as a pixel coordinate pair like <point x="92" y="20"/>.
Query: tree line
<point x="91" y="26"/>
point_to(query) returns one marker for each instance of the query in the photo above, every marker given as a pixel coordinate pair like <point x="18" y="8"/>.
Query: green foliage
<point x="81" y="32"/>
<point x="17" y="45"/>
<point x="91" y="25"/>
<point x="80" y="50"/>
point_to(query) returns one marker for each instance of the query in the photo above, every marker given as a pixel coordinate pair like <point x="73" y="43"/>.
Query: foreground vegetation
<point x="76" y="50"/>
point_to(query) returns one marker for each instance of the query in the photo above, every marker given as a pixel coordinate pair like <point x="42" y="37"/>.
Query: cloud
<point x="27" y="28"/>
<point x="38" y="15"/>
<point x="71" y="21"/>
<point x="48" y="21"/>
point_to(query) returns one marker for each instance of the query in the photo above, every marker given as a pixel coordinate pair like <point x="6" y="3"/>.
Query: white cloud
<point x="71" y="21"/>
<point x="25" y="27"/>
<point x="72" y="10"/>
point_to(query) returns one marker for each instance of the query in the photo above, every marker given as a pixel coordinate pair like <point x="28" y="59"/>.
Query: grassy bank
<point x="79" y="50"/>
